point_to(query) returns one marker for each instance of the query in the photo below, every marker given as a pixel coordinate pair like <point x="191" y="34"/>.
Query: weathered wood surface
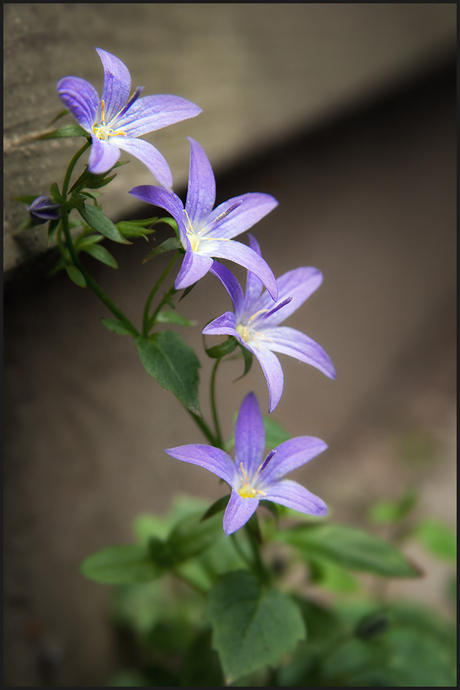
<point x="261" y="73"/>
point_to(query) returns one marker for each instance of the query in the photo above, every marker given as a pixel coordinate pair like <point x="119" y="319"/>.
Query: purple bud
<point x="42" y="209"/>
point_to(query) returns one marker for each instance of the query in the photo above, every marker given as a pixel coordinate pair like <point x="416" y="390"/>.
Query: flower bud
<point x="42" y="209"/>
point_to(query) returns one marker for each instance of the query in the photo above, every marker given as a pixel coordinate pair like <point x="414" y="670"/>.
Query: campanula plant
<point x="243" y="618"/>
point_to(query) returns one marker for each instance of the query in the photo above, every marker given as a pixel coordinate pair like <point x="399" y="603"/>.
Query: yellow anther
<point x="247" y="490"/>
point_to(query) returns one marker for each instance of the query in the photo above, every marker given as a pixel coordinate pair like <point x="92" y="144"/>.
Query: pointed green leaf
<point x="348" y="547"/>
<point x="117" y="327"/>
<point x="101" y="254"/>
<point x="252" y="626"/>
<point x="56" y="194"/>
<point x="58" y="116"/>
<point x="76" y="275"/>
<point x="96" y="220"/>
<point x="173" y="364"/>
<point x="166" y="246"/>
<point x="118" y="565"/>
<point x="217" y="507"/>
<point x="437" y="538"/>
<point x="191" y="536"/>
<point x="223" y="349"/>
<point x="52" y="227"/>
<point x="173" y="317"/>
<point x="26" y="198"/>
<point x="65" y="131"/>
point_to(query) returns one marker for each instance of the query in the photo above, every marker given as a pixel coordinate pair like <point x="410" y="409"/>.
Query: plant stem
<point x="259" y="567"/>
<point x="146" y="319"/>
<point x="239" y="550"/>
<point x="190" y="583"/>
<point x="204" y="428"/>
<point x="65" y="184"/>
<point x="213" y="405"/>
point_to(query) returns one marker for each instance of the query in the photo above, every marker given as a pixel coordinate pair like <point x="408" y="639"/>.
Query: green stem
<point x="65" y="184"/>
<point x="146" y="318"/>
<point x="204" y="428"/>
<point x="240" y="552"/>
<point x="259" y="566"/>
<point x="213" y="405"/>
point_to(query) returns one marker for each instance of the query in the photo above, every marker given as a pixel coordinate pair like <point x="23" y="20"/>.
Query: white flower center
<point x="103" y="130"/>
<point x="247" y="488"/>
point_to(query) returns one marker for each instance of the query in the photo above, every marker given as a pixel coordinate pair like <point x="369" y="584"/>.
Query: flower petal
<point x="290" y="341"/>
<point x="249" y="436"/>
<point x="81" y="98"/>
<point x="299" y="284"/>
<point x="223" y="325"/>
<point x="238" y="512"/>
<point x="292" y="454"/>
<point x="150" y="113"/>
<point x="149" y="155"/>
<point x="250" y="209"/>
<point x="193" y="268"/>
<point x="164" y="198"/>
<point x="201" y="193"/>
<point x="231" y="284"/>
<point x="102" y="156"/>
<point x="213" y="459"/>
<point x="254" y="286"/>
<point x="117" y="84"/>
<point x="244" y="256"/>
<point x="273" y="373"/>
<point x="293" y="495"/>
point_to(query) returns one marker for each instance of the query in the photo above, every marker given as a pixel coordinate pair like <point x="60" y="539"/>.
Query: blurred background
<point x="346" y="114"/>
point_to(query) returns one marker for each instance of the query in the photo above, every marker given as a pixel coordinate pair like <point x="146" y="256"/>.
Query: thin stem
<point x="213" y="404"/>
<point x="204" y="428"/>
<point x="146" y="319"/>
<point x="91" y="282"/>
<point x="65" y="184"/>
<point x="260" y="568"/>
<point x="240" y="551"/>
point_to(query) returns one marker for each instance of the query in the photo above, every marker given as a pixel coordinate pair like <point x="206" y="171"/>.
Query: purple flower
<point x="252" y="478"/>
<point x="117" y="119"/>
<point x="255" y="322"/>
<point x="206" y="233"/>
<point x="42" y="209"/>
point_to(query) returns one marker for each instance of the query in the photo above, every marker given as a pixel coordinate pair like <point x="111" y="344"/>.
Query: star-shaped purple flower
<point x="255" y="322"/>
<point x="252" y="478"/>
<point x="206" y="233"/>
<point x="117" y="119"/>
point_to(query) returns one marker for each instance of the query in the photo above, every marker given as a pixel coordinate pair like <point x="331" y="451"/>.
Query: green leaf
<point x="116" y="326"/>
<point x="252" y="626"/>
<point x="101" y="254"/>
<point x="274" y="433"/>
<point x="56" y="194"/>
<point x="76" y="275"/>
<point x="390" y="512"/>
<point x="247" y="356"/>
<point x="173" y="364"/>
<point x="331" y="576"/>
<point x="166" y="246"/>
<point x="96" y="220"/>
<point x="217" y="507"/>
<point x="223" y="349"/>
<point x="191" y="536"/>
<point x="201" y="667"/>
<point x="26" y="198"/>
<point x="52" y="227"/>
<point x="117" y="565"/>
<point x="65" y="131"/>
<point x="437" y="538"/>
<point x="348" y="547"/>
<point x="173" y="317"/>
